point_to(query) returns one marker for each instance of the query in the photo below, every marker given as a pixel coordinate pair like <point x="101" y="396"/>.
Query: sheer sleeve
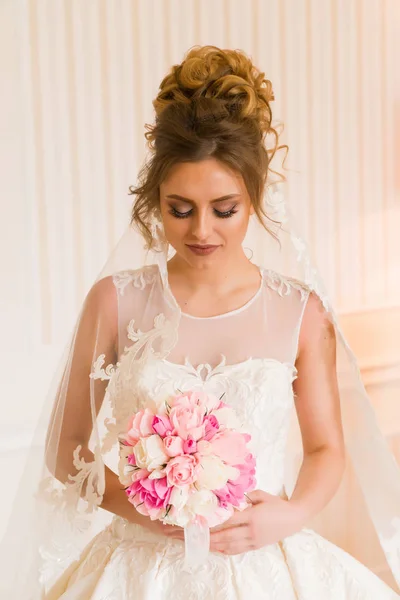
<point x="72" y="429"/>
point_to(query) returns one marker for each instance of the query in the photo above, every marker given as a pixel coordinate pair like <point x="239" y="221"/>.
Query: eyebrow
<point x="178" y="197"/>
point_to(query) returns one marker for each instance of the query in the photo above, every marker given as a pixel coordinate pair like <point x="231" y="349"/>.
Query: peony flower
<point x="150" y="497"/>
<point x="161" y="425"/>
<point x="173" y="445"/>
<point x="234" y="490"/>
<point x="181" y="470"/>
<point x="230" y="446"/>
<point x="140" y="425"/>
<point x="202" y="502"/>
<point x="203" y="447"/>
<point x="205" y="504"/>
<point x="213" y="473"/>
<point x="187" y="420"/>
<point x="150" y="452"/>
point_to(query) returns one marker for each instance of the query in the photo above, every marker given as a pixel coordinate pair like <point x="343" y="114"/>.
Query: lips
<point x="202" y="249"/>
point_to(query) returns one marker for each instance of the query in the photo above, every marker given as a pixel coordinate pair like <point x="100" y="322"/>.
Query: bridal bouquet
<point x="187" y="462"/>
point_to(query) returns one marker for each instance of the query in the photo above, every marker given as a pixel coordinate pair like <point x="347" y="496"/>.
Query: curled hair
<point x="215" y="104"/>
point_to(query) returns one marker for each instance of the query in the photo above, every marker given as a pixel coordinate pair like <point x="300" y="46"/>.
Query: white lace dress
<point x="127" y="562"/>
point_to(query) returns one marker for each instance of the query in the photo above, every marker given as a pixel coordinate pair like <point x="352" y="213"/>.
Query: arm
<point x="272" y="518"/>
<point x="318" y="409"/>
<point x="71" y="422"/>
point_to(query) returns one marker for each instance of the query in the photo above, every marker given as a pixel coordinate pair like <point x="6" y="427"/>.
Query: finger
<point x="238" y="519"/>
<point x="232" y="534"/>
<point x="238" y="547"/>
<point x="257" y="496"/>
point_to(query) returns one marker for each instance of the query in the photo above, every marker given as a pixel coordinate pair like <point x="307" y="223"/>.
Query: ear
<point x="252" y="211"/>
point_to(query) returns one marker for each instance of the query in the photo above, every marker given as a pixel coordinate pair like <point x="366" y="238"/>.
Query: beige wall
<point x="78" y="80"/>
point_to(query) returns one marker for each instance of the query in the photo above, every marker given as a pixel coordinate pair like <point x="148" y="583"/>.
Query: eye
<point x="225" y="214"/>
<point x="218" y="213"/>
<point x="180" y="215"/>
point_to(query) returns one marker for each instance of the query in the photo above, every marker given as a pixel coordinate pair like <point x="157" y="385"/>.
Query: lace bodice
<point x="248" y="355"/>
<point x="261" y="392"/>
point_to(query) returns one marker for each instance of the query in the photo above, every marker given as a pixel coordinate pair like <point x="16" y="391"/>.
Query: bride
<point x="212" y="307"/>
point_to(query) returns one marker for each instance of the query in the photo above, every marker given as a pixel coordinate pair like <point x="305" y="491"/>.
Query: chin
<point x="199" y="261"/>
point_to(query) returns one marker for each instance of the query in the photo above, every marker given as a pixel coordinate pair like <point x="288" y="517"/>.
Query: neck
<point x="217" y="276"/>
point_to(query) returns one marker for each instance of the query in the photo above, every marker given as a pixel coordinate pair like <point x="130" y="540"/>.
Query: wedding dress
<point x="248" y="355"/>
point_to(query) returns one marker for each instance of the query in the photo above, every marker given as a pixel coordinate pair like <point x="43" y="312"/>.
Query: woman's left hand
<point x="268" y="520"/>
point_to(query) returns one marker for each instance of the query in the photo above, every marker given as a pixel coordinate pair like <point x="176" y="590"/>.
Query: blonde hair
<point x="215" y="104"/>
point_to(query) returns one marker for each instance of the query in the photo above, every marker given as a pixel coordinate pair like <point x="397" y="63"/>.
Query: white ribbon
<point x="197" y="545"/>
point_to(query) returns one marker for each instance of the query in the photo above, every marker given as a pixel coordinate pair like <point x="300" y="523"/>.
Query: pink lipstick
<point x="201" y="250"/>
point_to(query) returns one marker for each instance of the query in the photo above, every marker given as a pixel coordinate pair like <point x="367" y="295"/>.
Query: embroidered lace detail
<point x="284" y="285"/>
<point x="139" y="278"/>
<point x="98" y="372"/>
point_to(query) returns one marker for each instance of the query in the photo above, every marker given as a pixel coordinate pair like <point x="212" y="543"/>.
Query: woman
<point x="206" y="318"/>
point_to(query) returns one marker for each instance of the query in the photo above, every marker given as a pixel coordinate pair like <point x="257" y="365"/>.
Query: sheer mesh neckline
<point x="229" y="313"/>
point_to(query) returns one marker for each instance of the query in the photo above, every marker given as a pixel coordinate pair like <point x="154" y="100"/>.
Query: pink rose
<point x="230" y="446"/>
<point x="161" y="425"/>
<point x="211" y="427"/>
<point x="181" y="470"/>
<point x="150" y="497"/>
<point x="173" y="445"/>
<point x="189" y="445"/>
<point x="140" y="425"/>
<point x="187" y="420"/>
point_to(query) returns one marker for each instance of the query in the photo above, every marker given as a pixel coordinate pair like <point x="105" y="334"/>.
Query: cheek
<point x="234" y="229"/>
<point x="175" y="229"/>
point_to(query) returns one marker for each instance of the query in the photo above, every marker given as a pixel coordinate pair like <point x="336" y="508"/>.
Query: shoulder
<point x="317" y="332"/>
<point x="103" y="295"/>
<point x="101" y="298"/>
<point x="286" y="286"/>
<point x="136" y="278"/>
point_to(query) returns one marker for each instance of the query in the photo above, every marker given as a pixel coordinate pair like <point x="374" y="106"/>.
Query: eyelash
<point x="220" y="215"/>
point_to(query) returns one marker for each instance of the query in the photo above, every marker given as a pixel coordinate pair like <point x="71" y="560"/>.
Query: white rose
<point x="149" y="453"/>
<point x="180" y="518"/>
<point x="179" y="497"/>
<point x="213" y="473"/>
<point x="179" y="514"/>
<point x="226" y="417"/>
<point x="202" y="503"/>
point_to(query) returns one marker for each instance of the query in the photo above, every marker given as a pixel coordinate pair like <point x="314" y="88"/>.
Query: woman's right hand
<point x="115" y="501"/>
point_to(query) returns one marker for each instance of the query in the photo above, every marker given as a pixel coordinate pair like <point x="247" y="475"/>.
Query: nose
<point x="201" y="226"/>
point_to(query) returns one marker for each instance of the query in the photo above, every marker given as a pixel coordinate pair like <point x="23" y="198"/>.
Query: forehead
<point x="203" y="179"/>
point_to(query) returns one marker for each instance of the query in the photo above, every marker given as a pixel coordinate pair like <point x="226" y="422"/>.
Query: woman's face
<point x="205" y="210"/>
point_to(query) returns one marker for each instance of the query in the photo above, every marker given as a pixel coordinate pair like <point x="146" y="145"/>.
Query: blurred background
<point x="77" y="82"/>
